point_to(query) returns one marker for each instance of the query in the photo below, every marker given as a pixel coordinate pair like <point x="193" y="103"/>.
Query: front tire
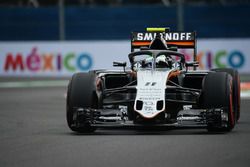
<point x="80" y="94"/>
<point x="218" y="93"/>
<point x="236" y="88"/>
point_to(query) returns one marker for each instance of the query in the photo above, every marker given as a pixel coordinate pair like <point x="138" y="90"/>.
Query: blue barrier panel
<point x="217" y="21"/>
<point x="28" y="24"/>
<point x="85" y="23"/>
<point x="115" y="23"/>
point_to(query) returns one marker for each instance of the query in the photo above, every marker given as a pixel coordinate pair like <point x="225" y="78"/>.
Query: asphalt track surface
<point x="33" y="133"/>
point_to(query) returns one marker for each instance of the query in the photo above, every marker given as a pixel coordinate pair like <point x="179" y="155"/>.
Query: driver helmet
<point x="147" y="62"/>
<point x="163" y="61"/>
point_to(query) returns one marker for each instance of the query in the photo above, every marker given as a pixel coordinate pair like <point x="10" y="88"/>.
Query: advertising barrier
<point x="59" y="59"/>
<point x="222" y="53"/>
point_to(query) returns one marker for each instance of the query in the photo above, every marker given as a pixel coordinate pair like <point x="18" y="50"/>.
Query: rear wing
<point x="180" y="40"/>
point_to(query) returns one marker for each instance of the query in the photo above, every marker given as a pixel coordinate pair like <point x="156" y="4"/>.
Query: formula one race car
<point x="160" y="89"/>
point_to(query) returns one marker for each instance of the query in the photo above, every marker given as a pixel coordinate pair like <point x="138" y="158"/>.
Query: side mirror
<point x="192" y="64"/>
<point x="120" y="64"/>
<point x="173" y="48"/>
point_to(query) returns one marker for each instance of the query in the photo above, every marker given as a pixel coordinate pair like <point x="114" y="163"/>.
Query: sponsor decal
<point x="150" y="83"/>
<point x="168" y="36"/>
<point x="47" y="62"/>
<point x="218" y="59"/>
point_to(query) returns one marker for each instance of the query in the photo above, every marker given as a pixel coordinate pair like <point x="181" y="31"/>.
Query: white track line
<point x="33" y="84"/>
<point x="245" y="94"/>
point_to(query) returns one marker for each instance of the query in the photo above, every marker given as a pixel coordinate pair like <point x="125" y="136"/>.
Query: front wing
<point x="108" y="118"/>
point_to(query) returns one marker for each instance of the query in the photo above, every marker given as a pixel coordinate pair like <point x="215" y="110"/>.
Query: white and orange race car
<point x="159" y="89"/>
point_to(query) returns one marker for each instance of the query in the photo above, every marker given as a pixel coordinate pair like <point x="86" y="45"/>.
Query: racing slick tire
<point x="217" y="92"/>
<point x="236" y="89"/>
<point x="81" y="93"/>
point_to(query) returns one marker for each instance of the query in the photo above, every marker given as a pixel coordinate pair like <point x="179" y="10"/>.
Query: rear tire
<point x="81" y="93"/>
<point x="236" y="89"/>
<point x="217" y="93"/>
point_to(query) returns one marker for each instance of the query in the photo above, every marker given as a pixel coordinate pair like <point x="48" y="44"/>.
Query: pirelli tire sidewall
<point x="80" y="93"/>
<point x="236" y="89"/>
<point x="217" y="92"/>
